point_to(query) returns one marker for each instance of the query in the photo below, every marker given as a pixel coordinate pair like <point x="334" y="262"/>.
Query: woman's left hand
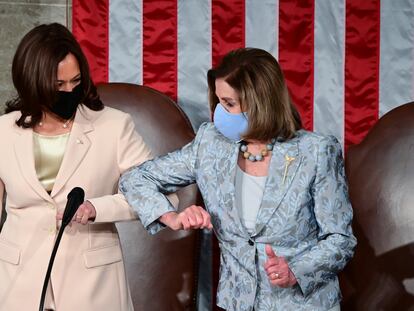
<point x="278" y="270"/>
<point x="84" y="214"/>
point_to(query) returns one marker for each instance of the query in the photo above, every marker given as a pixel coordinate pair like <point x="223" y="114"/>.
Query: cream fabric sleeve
<point x="131" y="150"/>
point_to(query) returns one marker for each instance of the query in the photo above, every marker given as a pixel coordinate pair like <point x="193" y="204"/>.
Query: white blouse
<point x="248" y="193"/>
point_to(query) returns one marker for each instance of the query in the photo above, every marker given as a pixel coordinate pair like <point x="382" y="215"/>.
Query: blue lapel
<point x="283" y="166"/>
<point x="225" y="167"/>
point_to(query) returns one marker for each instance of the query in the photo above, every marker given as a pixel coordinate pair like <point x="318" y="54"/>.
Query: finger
<point x="79" y="213"/>
<point x="189" y="215"/>
<point x="269" y="251"/>
<point x="185" y="222"/>
<point x="272" y="262"/>
<point x="59" y="216"/>
<point x="79" y="217"/>
<point x="276" y="264"/>
<point x="206" y="220"/>
<point x="204" y="217"/>
<point x="275" y="270"/>
<point x="85" y="219"/>
<point x="197" y="217"/>
<point x="275" y="275"/>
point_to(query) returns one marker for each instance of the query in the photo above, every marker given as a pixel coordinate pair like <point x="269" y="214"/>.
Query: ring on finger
<point x="275" y="275"/>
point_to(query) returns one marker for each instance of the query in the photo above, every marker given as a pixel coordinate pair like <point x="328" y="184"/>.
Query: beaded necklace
<point x="258" y="157"/>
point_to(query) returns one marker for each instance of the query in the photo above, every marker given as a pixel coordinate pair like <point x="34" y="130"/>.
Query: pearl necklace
<point x="64" y="125"/>
<point x="258" y="157"/>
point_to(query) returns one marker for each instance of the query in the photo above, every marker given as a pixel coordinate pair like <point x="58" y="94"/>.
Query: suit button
<point x="251" y="243"/>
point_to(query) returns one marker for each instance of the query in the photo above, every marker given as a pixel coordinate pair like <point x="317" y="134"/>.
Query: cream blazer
<point x="88" y="273"/>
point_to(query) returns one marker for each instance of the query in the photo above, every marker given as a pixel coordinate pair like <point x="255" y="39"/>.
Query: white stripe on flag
<point x="262" y="25"/>
<point x="397" y="54"/>
<point x="194" y="59"/>
<point x="125" y="41"/>
<point x="329" y="51"/>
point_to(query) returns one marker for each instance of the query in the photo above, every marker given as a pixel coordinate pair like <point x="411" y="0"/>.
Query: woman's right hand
<point x="193" y="217"/>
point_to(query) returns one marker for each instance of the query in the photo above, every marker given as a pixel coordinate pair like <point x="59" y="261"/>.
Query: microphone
<point x="74" y="199"/>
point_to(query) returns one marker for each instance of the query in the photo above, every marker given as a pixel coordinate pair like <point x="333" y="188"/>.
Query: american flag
<point x="346" y="62"/>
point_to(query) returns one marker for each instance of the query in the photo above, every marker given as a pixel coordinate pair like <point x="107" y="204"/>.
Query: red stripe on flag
<point x="90" y="27"/>
<point x="296" y="46"/>
<point x="160" y="46"/>
<point x="362" y="48"/>
<point x="228" y="33"/>
<point x="228" y="27"/>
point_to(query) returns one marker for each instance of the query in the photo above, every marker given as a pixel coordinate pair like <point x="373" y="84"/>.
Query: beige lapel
<point x="23" y="148"/>
<point x="76" y="149"/>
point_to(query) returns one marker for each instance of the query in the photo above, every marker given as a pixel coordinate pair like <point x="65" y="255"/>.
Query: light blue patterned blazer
<point x="305" y="215"/>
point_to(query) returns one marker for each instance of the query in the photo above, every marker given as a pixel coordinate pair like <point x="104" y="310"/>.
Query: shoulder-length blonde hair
<point x="258" y="79"/>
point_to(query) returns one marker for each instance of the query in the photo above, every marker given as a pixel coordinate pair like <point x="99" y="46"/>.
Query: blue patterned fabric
<point x="305" y="215"/>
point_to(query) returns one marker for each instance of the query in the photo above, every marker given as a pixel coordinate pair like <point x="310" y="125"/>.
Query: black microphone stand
<point x="75" y="198"/>
<point x="49" y="268"/>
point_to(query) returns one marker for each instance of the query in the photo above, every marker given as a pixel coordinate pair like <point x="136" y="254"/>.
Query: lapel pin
<point x="288" y="161"/>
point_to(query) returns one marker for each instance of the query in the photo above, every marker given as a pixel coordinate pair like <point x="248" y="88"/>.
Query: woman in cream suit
<point x="57" y="135"/>
<point x="275" y="195"/>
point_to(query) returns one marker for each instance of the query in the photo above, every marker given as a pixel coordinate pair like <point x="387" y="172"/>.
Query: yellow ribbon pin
<point x="288" y="161"/>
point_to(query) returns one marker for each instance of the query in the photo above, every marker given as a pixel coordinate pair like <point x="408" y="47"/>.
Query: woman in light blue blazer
<point x="275" y="195"/>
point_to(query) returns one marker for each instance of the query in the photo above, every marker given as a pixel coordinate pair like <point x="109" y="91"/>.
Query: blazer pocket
<point x="9" y="253"/>
<point x="102" y="256"/>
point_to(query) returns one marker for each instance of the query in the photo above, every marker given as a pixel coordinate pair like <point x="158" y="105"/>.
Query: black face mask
<point x="67" y="103"/>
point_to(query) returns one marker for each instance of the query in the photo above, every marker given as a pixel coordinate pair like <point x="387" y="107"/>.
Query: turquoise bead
<point x="269" y="147"/>
<point x="243" y="148"/>
<point x="252" y="158"/>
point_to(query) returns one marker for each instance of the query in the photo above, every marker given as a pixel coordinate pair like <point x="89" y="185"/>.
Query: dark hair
<point x="34" y="72"/>
<point x="258" y="79"/>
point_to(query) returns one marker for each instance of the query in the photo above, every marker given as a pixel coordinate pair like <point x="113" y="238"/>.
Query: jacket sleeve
<point x="333" y="213"/>
<point x="144" y="186"/>
<point x="131" y="150"/>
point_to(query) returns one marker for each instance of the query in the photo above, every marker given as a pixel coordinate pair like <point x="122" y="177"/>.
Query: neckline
<point x="247" y="174"/>
<point x="50" y="136"/>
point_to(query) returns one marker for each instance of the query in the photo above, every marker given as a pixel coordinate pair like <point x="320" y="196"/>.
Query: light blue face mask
<point x="231" y="125"/>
